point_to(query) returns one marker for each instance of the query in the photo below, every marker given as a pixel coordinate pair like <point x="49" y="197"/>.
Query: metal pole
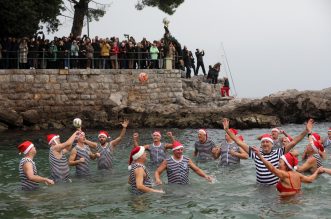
<point x="227" y="64"/>
<point x="88" y="26"/>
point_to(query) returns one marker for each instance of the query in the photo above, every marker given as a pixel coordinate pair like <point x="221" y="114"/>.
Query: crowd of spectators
<point x="98" y="53"/>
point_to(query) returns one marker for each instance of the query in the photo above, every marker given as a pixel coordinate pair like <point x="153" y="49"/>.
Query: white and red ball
<point x="143" y="77"/>
<point x="77" y="123"/>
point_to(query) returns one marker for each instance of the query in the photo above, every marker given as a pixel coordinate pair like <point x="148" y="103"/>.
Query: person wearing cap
<point x="327" y="140"/>
<point x="315" y="137"/>
<point x="106" y="148"/>
<point x="140" y="179"/>
<point x="57" y="157"/>
<point x="28" y="170"/>
<point x="157" y="150"/>
<point x="178" y="167"/>
<point x="277" y="141"/>
<point x="203" y="147"/>
<point x="312" y="151"/>
<point x="81" y="156"/>
<point x="289" y="179"/>
<point x="229" y="151"/>
<point x="263" y="174"/>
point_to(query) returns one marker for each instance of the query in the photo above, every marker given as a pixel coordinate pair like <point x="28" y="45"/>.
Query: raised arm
<point x="116" y="141"/>
<point x="135" y="139"/>
<point x="279" y="173"/>
<point x="66" y="146"/>
<point x="91" y="144"/>
<point x="297" y="139"/>
<point x="172" y="138"/>
<point x="199" y="171"/>
<point x="159" y="171"/>
<point x="240" y="143"/>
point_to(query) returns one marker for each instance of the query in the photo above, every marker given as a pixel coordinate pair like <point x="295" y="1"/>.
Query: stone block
<point x="17" y="78"/>
<point x="41" y="79"/>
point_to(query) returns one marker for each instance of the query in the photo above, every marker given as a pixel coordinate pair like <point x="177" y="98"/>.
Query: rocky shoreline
<point x="189" y="103"/>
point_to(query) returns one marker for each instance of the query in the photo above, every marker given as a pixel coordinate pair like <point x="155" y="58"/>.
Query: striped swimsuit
<point x="59" y="168"/>
<point x="318" y="160"/>
<point x="105" y="161"/>
<point x="27" y="184"/>
<point x="178" y="171"/>
<point x="263" y="175"/>
<point x="132" y="180"/>
<point x="157" y="154"/>
<point x="83" y="169"/>
<point x="204" y="150"/>
<point x="226" y="157"/>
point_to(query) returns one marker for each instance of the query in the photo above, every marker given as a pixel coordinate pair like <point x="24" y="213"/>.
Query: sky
<point x="269" y="45"/>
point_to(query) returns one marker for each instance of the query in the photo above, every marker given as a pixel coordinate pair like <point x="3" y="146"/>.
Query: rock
<point x="11" y="117"/>
<point x="31" y="117"/>
<point x="3" y="127"/>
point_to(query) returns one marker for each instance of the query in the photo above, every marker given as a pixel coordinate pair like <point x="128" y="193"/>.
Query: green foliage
<point x="23" y="17"/>
<point x="167" y="6"/>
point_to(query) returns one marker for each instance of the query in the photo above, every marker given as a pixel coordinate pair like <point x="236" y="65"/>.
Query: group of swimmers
<point x="276" y="161"/>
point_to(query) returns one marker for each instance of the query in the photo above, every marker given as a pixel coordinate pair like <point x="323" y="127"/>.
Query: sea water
<point x="233" y="193"/>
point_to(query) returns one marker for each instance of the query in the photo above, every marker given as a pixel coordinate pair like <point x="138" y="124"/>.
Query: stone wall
<point x="47" y="98"/>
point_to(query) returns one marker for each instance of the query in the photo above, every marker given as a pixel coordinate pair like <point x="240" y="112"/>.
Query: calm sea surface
<point x="234" y="194"/>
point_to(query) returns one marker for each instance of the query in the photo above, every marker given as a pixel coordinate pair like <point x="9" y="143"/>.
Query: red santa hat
<point x="51" y="138"/>
<point x="288" y="138"/>
<point x="103" y="133"/>
<point x="241" y="137"/>
<point x="267" y="137"/>
<point x="204" y="132"/>
<point x="329" y="129"/>
<point x="234" y="131"/>
<point x="317" y="146"/>
<point x="176" y="145"/>
<point x="158" y="133"/>
<point x="316" y="137"/>
<point x="135" y="153"/>
<point x="290" y="160"/>
<point x="275" y="130"/>
<point x="25" y="147"/>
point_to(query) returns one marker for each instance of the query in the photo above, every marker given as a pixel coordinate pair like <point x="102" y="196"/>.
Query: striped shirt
<point x="204" y="151"/>
<point x="27" y="184"/>
<point x="83" y="169"/>
<point x="318" y="158"/>
<point x="178" y="171"/>
<point x="105" y="161"/>
<point x="263" y="175"/>
<point x="132" y="179"/>
<point x="157" y="154"/>
<point x="226" y="158"/>
<point x="59" y="167"/>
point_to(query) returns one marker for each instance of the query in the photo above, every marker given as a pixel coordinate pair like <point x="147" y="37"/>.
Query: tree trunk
<point x="80" y="13"/>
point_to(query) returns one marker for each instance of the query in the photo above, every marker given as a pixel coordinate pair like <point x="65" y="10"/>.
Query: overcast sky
<point x="270" y="45"/>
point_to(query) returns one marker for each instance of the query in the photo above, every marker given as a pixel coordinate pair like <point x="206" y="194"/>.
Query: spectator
<point x="199" y="56"/>
<point x="104" y="52"/>
<point x="52" y="56"/>
<point x="187" y="62"/>
<point x="74" y="49"/>
<point x="192" y="62"/>
<point x="154" y="54"/>
<point x="225" y="87"/>
<point x="89" y="54"/>
<point x="215" y="72"/>
<point x="23" y="49"/>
